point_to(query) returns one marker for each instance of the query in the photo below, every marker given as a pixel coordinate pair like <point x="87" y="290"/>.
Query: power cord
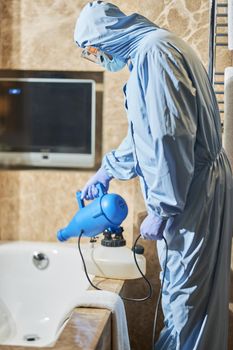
<point x="135" y="259"/>
<point x="143" y="276"/>
<point x="160" y="295"/>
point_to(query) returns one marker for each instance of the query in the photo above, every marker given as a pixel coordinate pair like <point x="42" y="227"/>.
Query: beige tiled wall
<point x="38" y="35"/>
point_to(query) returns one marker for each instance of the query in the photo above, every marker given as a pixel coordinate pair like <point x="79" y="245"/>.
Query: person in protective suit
<point x="174" y="146"/>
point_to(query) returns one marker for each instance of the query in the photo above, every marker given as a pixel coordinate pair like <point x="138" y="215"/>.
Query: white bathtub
<point x="35" y="304"/>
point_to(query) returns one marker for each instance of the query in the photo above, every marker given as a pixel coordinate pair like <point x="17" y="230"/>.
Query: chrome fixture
<point x="218" y="42"/>
<point x="40" y="260"/>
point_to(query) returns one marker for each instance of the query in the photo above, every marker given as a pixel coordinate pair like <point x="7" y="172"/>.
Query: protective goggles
<point x="92" y="54"/>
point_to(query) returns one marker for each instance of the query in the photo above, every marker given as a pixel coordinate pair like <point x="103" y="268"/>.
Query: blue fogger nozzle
<point x="108" y="210"/>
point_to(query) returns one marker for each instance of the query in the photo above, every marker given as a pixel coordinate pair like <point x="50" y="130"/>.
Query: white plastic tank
<point x="113" y="262"/>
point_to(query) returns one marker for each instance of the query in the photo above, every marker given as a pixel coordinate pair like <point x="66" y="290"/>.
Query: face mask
<point x="95" y="55"/>
<point x="112" y="65"/>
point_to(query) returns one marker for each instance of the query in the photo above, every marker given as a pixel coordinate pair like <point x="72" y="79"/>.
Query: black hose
<point x="135" y="259"/>
<point x="160" y="296"/>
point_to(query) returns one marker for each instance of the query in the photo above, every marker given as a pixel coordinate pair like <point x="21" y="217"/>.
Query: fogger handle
<point x="80" y="200"/>
<point x="101" y="191"/>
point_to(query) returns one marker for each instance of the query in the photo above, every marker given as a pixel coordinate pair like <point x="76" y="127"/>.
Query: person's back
<point x="185" y="60"/>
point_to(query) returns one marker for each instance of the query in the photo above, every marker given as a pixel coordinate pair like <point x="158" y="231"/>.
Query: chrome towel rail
<point x="218" y="41"/>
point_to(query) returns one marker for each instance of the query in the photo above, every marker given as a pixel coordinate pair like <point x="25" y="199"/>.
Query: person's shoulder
<point x="162" y="45"/>
<point x="152" y="45"/>
<point x="156" y="40"/>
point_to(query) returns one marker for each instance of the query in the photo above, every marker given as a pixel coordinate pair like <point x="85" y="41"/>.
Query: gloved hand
<point x="90" y="191"/>
<point x="152" y="227"/>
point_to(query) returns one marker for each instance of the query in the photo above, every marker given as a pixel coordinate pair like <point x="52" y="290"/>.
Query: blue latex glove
<point x="152" y="227"/>
<point x="90" y="191"/>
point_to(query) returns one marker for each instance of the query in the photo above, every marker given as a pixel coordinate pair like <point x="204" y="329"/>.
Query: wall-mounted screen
<point x="47" y="122"/>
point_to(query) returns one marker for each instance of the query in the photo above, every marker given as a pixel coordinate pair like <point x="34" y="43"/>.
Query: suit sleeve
<point x="120" y="163"/>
